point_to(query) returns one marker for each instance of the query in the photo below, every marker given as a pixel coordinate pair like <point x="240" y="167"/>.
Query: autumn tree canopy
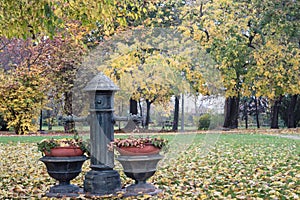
<point x="28" y="19"/>
<point x="255" y="45"/>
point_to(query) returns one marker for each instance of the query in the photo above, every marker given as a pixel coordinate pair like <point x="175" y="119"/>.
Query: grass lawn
<point x="197" y="166"/>
<point x="26" y="139"/>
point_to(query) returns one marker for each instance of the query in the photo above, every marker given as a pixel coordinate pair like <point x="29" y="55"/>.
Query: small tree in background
<point x="204" y="121"/>
<point x="22" y="97"/>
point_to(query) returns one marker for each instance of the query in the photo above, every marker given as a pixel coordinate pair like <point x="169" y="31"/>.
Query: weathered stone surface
<point x="101" y="83"/>
<point x="63" y="169"/>
<point x="140" y="168"/>
<point x="101" y="179"/>
<point x="140" y="164"/>
<point x="102" y="182"/>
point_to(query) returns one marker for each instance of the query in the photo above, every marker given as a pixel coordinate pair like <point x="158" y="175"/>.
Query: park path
<point x="294" y="137"/>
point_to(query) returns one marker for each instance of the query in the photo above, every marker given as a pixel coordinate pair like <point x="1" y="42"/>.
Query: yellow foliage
<point x="22" y="97"/>
<point x="155" y="73"/>
<point x="275" y="70"/>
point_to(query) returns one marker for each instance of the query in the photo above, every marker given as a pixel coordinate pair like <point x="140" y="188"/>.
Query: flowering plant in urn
<point x="131" y="145"/>
<point x="63" y="147"/>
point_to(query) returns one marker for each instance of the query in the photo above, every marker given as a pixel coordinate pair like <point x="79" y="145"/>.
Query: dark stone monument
<point x="101" y="179"/>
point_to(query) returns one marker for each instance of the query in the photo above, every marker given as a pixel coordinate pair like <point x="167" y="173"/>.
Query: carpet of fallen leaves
<point x="239" y="166"/>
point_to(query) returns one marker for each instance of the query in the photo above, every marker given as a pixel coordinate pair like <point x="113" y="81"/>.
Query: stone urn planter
<point x="139" y="158"/>
<point x="63" y="159"/>
<point x="63" y="169"/>
<point x="140" y="168"/>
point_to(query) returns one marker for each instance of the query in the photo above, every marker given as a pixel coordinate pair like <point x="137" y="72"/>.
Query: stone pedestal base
<point x="63" y="191"/>
<point x="141" y="189"/>
<point x="98" y="183"/>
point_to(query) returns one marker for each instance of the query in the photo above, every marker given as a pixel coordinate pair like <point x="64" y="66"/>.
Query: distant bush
<point x="210" y="121"/>
<point x="204" y="122"/>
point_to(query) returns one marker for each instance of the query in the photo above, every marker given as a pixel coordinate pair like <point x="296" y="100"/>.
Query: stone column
<point x="101" y="179"/>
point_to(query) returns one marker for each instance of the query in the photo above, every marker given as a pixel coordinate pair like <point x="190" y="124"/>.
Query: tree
<point x="66" y="57"/>
<point x="238" y="34"/>
<point x="22" y="97"/>
<point x="23" y="83"/>
<point x="3" y="124"/>
<point x="279" y="77"/>
<point x="54" y="62"/>
<point x="291" y="119"/>
<point x="140" y="76"/>
<point x="234" y="32"/>
<point x="53" y="18"/>
<point x="276" y="57"/>
<point x="219" y="27"/>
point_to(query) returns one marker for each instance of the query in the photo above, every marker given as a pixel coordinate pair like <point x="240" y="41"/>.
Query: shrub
<point x="204" y="121"/>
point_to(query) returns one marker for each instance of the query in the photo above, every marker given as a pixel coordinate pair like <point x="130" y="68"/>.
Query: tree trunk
<point x="4" y="128"/>
<point x="69" y="126"/>
<point x="182" y="113"/>
<point x="274" y="114"/>
<point x="246" y="114"/>
<point x="231" y="112"/>
<point x="176" y="114"/>
<point x="141" y="114"/>
<point x="3" y="124"/>
<point x="17" y="128"/>
<point x="41" y="120"/>
<point x="50" y="124"/>
<point x="148" y="103"/>
<point x="256" y="113"/>
<point x="291" y="122"/>
<point x="133" y="107"/>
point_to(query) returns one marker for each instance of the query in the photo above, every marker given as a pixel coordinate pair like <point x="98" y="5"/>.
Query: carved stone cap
<point x="101" y="83"/>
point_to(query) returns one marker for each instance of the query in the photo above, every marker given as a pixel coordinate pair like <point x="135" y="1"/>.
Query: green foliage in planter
<point x="48" y="144"/>
<point x="139" y="142"/>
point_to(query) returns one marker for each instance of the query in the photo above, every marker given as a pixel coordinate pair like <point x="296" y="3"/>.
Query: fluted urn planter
<point x="139" y="157"/>
<point x="63" y="169"/>
<point x="140" y="168"/>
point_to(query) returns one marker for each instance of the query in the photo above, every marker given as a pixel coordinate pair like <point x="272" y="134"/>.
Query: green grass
<point x="26" y="139"/>
<point x="234" y="139"/>
<point x="87" y="128"/>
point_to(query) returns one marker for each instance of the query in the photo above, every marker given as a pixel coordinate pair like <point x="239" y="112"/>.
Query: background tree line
<point x="254" y="45"/>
